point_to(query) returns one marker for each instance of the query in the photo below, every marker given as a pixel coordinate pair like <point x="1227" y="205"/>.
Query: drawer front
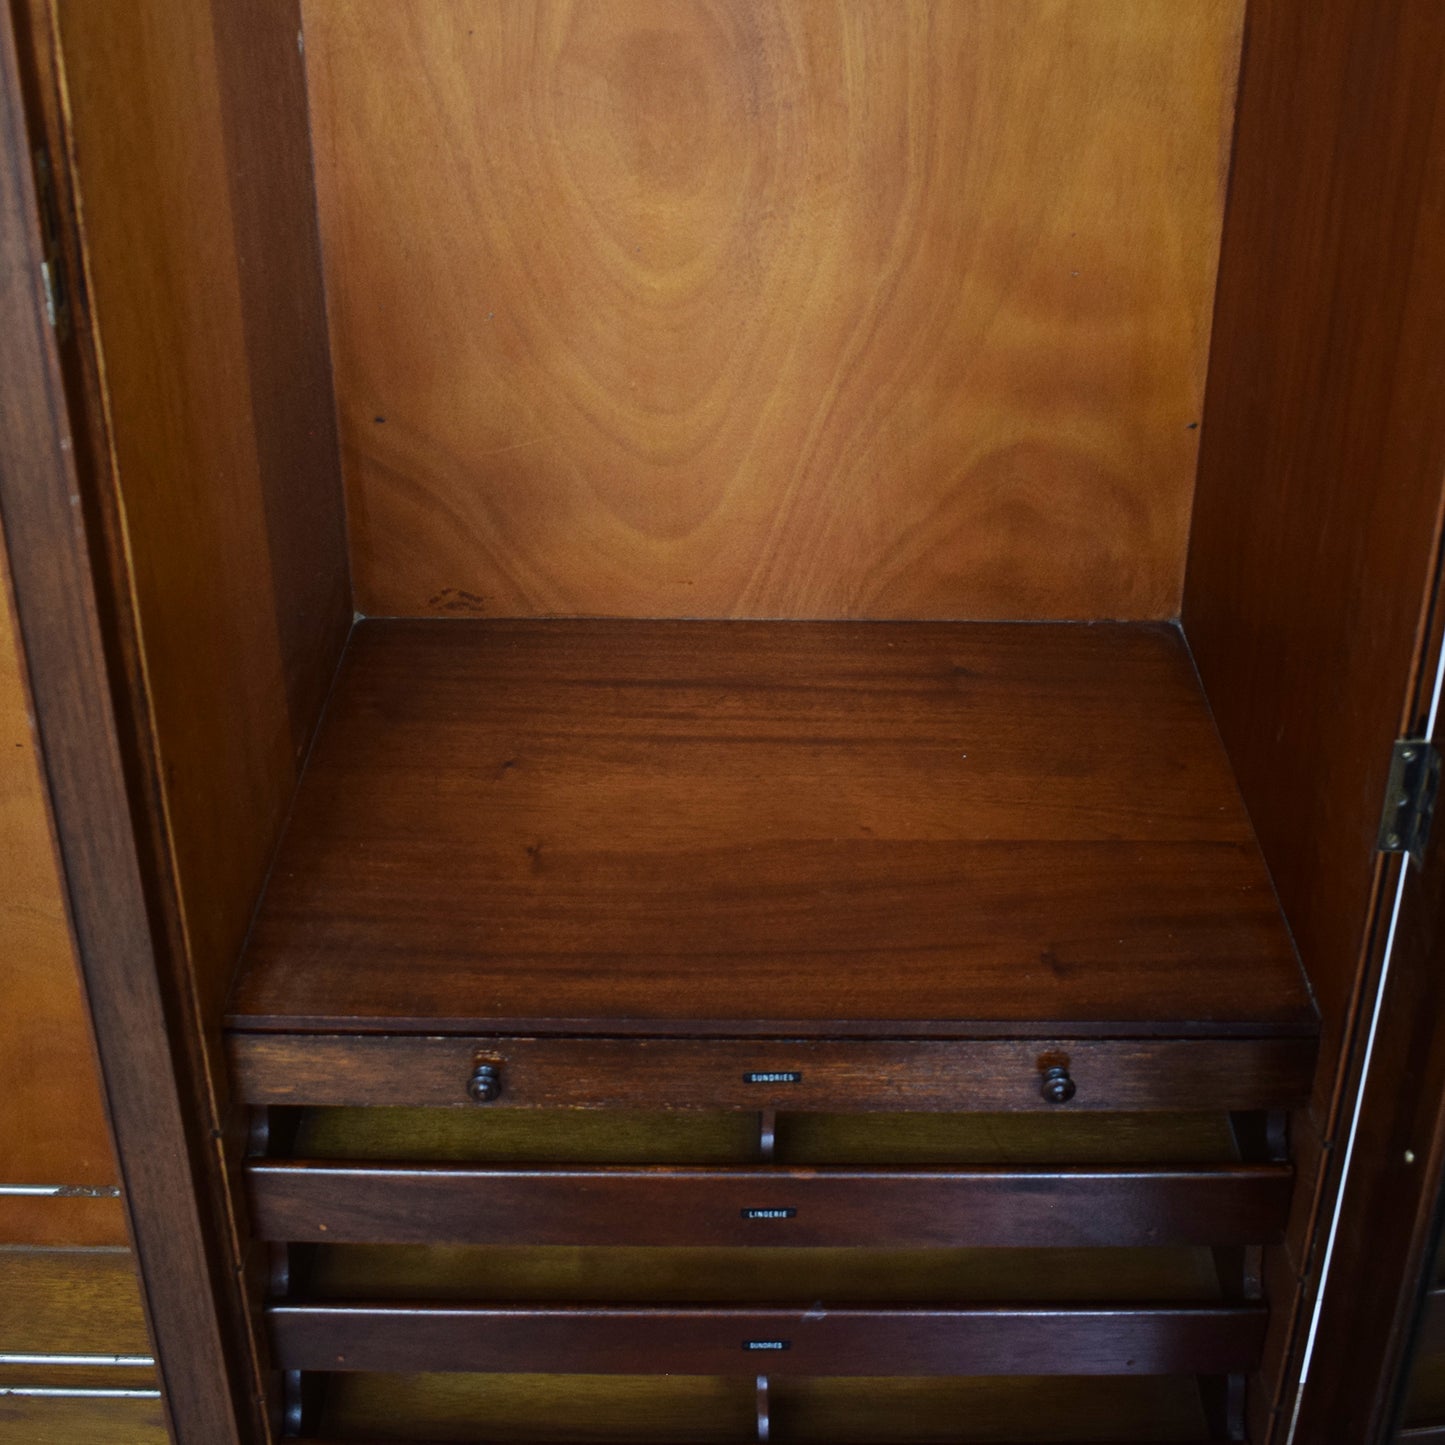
<point x="975" y="1208"/>
<point x="817" y="1341"/>
<point x="988" y="1075"/>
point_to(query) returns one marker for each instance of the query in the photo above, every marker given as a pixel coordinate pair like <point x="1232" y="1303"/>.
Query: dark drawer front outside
<point x="819" y="1341"/>
<point x="987" y="1075"/>
<point x="918" y="1208"/>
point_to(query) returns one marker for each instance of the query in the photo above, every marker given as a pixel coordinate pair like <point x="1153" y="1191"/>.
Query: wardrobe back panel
<point x="194" y="185"/>
<point x="852" y="308"/>
<point x="1320" y="478"/>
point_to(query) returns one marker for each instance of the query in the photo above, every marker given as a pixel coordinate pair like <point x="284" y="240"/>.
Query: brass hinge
<point x="52" y="262"/>
<point x="1410" y="798"/>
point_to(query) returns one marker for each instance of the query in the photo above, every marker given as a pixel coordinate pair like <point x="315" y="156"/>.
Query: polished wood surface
<point x="1320" y="473"/>
<point x="1314" y="542"/>
<point x="192" y="178"/>
<point x="765" y="1207"/>
<point x="53" y="532"/>
<point x="633" y="827"/>
<point x="843" y="309"/>
<point x="52" y="1120"/>
<point x="1146" y="1410"/>
<point x="985" y="1074"/>
<point x="996" y="1340"/>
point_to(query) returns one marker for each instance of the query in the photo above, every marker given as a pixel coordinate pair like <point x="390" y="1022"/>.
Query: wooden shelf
<point x="784" y="829"/>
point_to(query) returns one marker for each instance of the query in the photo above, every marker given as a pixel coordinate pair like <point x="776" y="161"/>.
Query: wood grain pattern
<point x="57" y="561"/>
<point x="190" y="165"/>
<point x="983" y="1341"/>
<point x="1146" y="1410"/>
<point x="851" y="309"/>
<point x="627" y="827"/>
<point x="71" y="1302"/>
<point x="1315" y="538"/>
<point x="765" y="1208"/>
<point x="52" y="1120"/>
<point x="1316" y="518"/>
<point x="991" y="1075"/>
<point x="81" y="1420"/>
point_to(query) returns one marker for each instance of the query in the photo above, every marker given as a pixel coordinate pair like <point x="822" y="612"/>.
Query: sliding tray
<point x="299" y="1201"/>
<point x="769" y="829"/>
<point x="997" y="1340"/>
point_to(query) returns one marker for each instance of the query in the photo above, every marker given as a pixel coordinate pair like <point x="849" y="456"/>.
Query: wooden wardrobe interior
<point x="738" y="335"/>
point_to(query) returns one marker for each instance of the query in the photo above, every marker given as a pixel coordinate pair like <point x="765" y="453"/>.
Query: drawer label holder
<point x="769" y="1213"/>
<point x="774" y="1076"/>
<point x="767" y="1345"/>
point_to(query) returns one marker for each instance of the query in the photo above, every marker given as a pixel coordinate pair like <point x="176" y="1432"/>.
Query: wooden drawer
<point x="978" y="1075"/>
<point x="300" y="1201"/>
<point x="799" y="1341"/>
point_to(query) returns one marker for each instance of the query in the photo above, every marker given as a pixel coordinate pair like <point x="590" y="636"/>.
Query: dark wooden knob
<point x="485" y="1083"/>
<point x="1058" y="1087"/>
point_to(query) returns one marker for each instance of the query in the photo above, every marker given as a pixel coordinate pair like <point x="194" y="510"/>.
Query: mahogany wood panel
<point x="849" y="309"/>
<point x="52" y="1120"/>
<point x="634" y="827"/>
<point x="761" y="1207"/>
<point x="57" y="561"/>
<point x="985" y="1074"/>
<point x="1324" y="445"/>
<point x="817" y="1341"/>
<point x="191" y="170"/>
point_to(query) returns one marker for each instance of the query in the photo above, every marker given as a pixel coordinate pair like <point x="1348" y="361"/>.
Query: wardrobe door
<point x="75" y="1355"/>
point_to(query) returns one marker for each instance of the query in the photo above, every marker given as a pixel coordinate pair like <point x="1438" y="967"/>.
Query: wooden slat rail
<point x="340" y="1203"/>
<point x="815" y="1341"/>
<point x="974" y="1075"/>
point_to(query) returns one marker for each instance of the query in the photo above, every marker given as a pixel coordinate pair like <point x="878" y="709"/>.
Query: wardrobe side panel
<point x="192" y="174"/>
<point x="1324" y="445"/>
